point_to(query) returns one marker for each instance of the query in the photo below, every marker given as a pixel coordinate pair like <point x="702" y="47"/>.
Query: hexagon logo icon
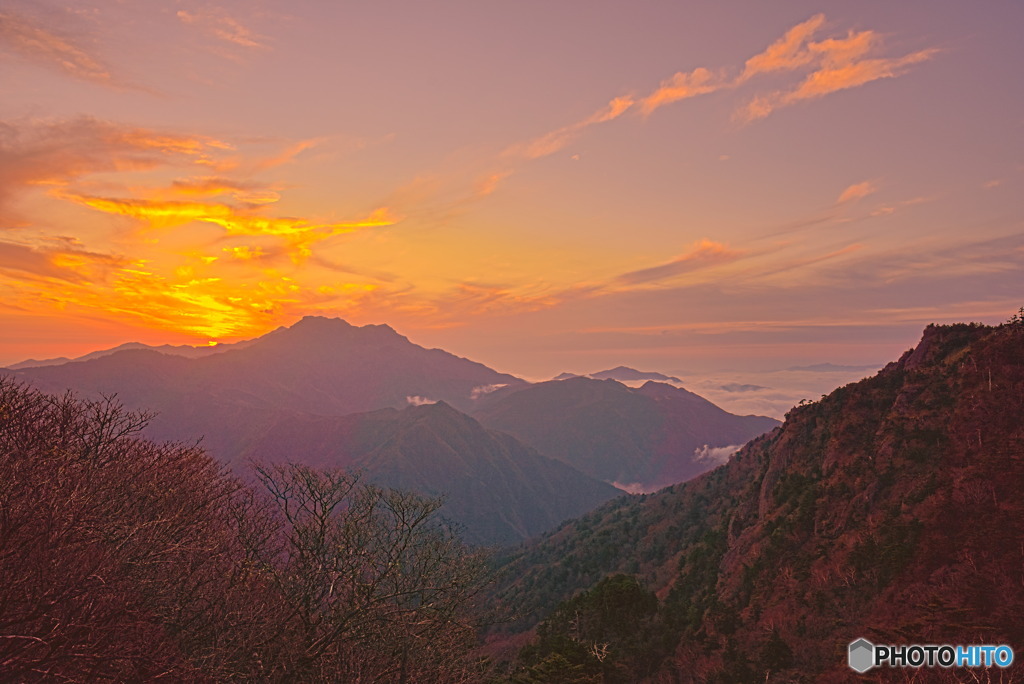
<point x="862" y="655"/>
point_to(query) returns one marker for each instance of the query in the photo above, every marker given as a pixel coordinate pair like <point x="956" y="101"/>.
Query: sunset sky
<point x="540" y="186"/>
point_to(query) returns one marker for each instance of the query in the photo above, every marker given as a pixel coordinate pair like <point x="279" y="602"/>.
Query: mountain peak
<point x="626" y="374"/>
<point x="324" y="330"/>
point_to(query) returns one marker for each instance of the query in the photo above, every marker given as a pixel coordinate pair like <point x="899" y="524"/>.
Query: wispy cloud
<point x="299" y="233"/>
<point x="680" y="86"/>
<point x="213" y="186"/>
<point x="787" y="53"/>
<point x="857" y="191"/>
<point x="831" y="65"/>
<point x="556" y="140"/>
<point x="703" y="254"/>
<point x="837" y="64"/>
<point x="223" y="27"/>
<point x="28" y="38"/>
<point x="61" y="259"/>
<point x="59" y="152"/>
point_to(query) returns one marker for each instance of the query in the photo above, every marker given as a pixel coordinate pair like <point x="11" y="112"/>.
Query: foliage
<point x="890" y="509"/>
<point x="126" y="560"/>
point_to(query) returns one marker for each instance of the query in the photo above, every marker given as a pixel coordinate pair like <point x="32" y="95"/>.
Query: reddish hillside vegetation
<point x="892" y="509"/>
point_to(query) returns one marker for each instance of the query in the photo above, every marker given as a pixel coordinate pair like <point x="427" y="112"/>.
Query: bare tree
<point x="377" y="587"/>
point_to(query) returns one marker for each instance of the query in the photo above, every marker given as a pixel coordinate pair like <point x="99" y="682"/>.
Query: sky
<point x="539" y="186"/>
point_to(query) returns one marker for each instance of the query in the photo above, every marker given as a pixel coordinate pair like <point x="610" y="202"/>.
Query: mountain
<point x="292" y="393"/>
<point x="622" y="374"/>
<point x="185" y="350"/>
<point x="323" y="366"/>
<point x="889" y="510"/>
<point x="498" y="489"/>
<point x="651" y="436"/>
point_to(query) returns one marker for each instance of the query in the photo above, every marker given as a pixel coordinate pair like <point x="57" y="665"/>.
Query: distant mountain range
<point x="500" y="490"/>
<point x="188" y="351"/>
<point x="649" y="436"/>
<point x="319" y="365"/>
<point x="889" y="510"/>
<point x="622" y="374"/>
<point x="314" y="392"/>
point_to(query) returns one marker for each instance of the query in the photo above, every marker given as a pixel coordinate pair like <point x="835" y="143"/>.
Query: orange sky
<point x="539" y="187"/>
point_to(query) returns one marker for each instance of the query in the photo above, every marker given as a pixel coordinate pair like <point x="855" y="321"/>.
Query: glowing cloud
<point x="839" y="64"/>
<point x="250" y="193"/>
<point x="704" y="254"/>
<point x="58" y="260"/>
<point x="56" y="152"/>
<point x="24" y="37"/>
<point x="788" y="52"/>
<point x="299" y="233"/>
<point x="224" y="28"/>
<point x="856" y="192"/>
<point x="681" y="86"/>
<point x="556" y="140"/>
<point x="835" y="63"/>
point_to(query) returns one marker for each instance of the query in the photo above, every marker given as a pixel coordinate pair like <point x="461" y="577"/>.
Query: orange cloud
<point x="703" y="254"/>
<point x="556" y="140"/>
<point x="856" y="192"/>
<point x="196" y="294"/>
<point x="223" y="27"/>
<point x="57" y="152"/>
<point x="210" y="186"/>
<point x="681" y="86"/>
<point x="60" y="259"/>
<point x="288" y="154"/>
<point x="840" y="77"/>
<point x="839" y="64"/>
<point x="489" y="183"/>
<point x="299" y="233"/>
<point x="29" y="39"/>
<point x="789" y="52"/>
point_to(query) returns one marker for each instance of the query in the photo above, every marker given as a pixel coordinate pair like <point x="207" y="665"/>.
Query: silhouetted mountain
<point x="622" y="374"/>
<point x="500" y="490"/>
<point x="890" y="510"/>
<point x="651" y="436"/>
<point x="319" y="365"/>
<point x="741" y="387"/>
<point x="188" y="351"/>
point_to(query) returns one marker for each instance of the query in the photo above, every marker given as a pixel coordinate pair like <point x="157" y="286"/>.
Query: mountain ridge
<point x="889" y="510"/>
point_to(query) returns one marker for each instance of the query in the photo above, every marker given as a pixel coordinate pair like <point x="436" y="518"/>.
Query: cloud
<point x="489" y="183"/>
<point x="787" y="53"/>
<point x="716" y="455"/>
<point x="56" y="152"/>
<point x="25" y="37"/>
<point x="634" y="487"/>
<point x="299" y="233"/>
<point x="59" y="260"/>
<point x="681" y="86"/>
<point x="838" y="64"/>
<point x="834" y="64"/>
<point x="56" y="155"/>
<point x="212" y="186"/>
<point x="482" y="390"/>
<point x="856" y="192"/>
<point x="414" y="400"/>
<point x="702" y="254"/>
<point x="741" y="387"/>
<point x="223" y="27"/>
<point x="554" y="141"/>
